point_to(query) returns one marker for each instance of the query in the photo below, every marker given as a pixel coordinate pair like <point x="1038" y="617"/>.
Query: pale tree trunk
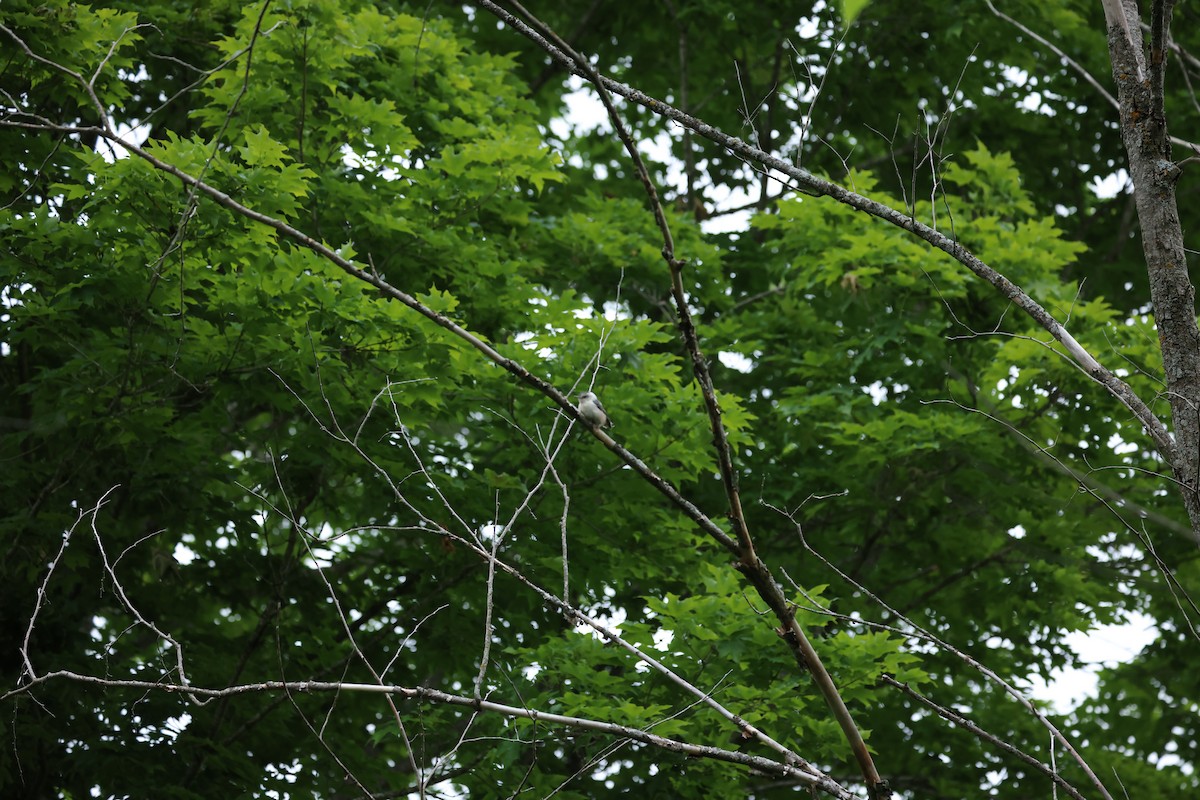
<point x="1144" y="130"/>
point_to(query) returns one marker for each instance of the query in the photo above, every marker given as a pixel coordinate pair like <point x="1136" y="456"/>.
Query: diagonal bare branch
<point x="749" y="563"/>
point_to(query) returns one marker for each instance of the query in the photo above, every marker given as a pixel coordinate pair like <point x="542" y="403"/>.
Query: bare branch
<point x="420" y="693"/>
<point x="1058" y="51"/>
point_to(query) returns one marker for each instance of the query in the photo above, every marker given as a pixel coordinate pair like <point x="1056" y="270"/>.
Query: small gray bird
<point x="592" y="411"/>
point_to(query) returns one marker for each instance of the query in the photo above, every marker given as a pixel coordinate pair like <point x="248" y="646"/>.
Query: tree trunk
<point x="1144" y="132"/>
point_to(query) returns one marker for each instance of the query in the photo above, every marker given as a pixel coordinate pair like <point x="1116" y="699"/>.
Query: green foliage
<point x="851" y="9"/>
<point x="293" y="475"/>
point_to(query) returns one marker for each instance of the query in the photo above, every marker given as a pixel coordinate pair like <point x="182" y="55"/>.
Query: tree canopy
<point x="298" y="298"/>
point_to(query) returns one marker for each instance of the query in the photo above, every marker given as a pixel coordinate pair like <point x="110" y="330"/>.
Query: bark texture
<point x="1139" y="77"/>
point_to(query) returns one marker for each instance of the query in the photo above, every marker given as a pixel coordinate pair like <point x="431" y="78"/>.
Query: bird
<point x="592" y="411"/>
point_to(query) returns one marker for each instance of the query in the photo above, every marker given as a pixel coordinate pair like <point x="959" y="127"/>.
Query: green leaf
<point x="850" y="9"/>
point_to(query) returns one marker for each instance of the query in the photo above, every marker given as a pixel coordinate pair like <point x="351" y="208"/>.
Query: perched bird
<point x="592" y="412"/>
